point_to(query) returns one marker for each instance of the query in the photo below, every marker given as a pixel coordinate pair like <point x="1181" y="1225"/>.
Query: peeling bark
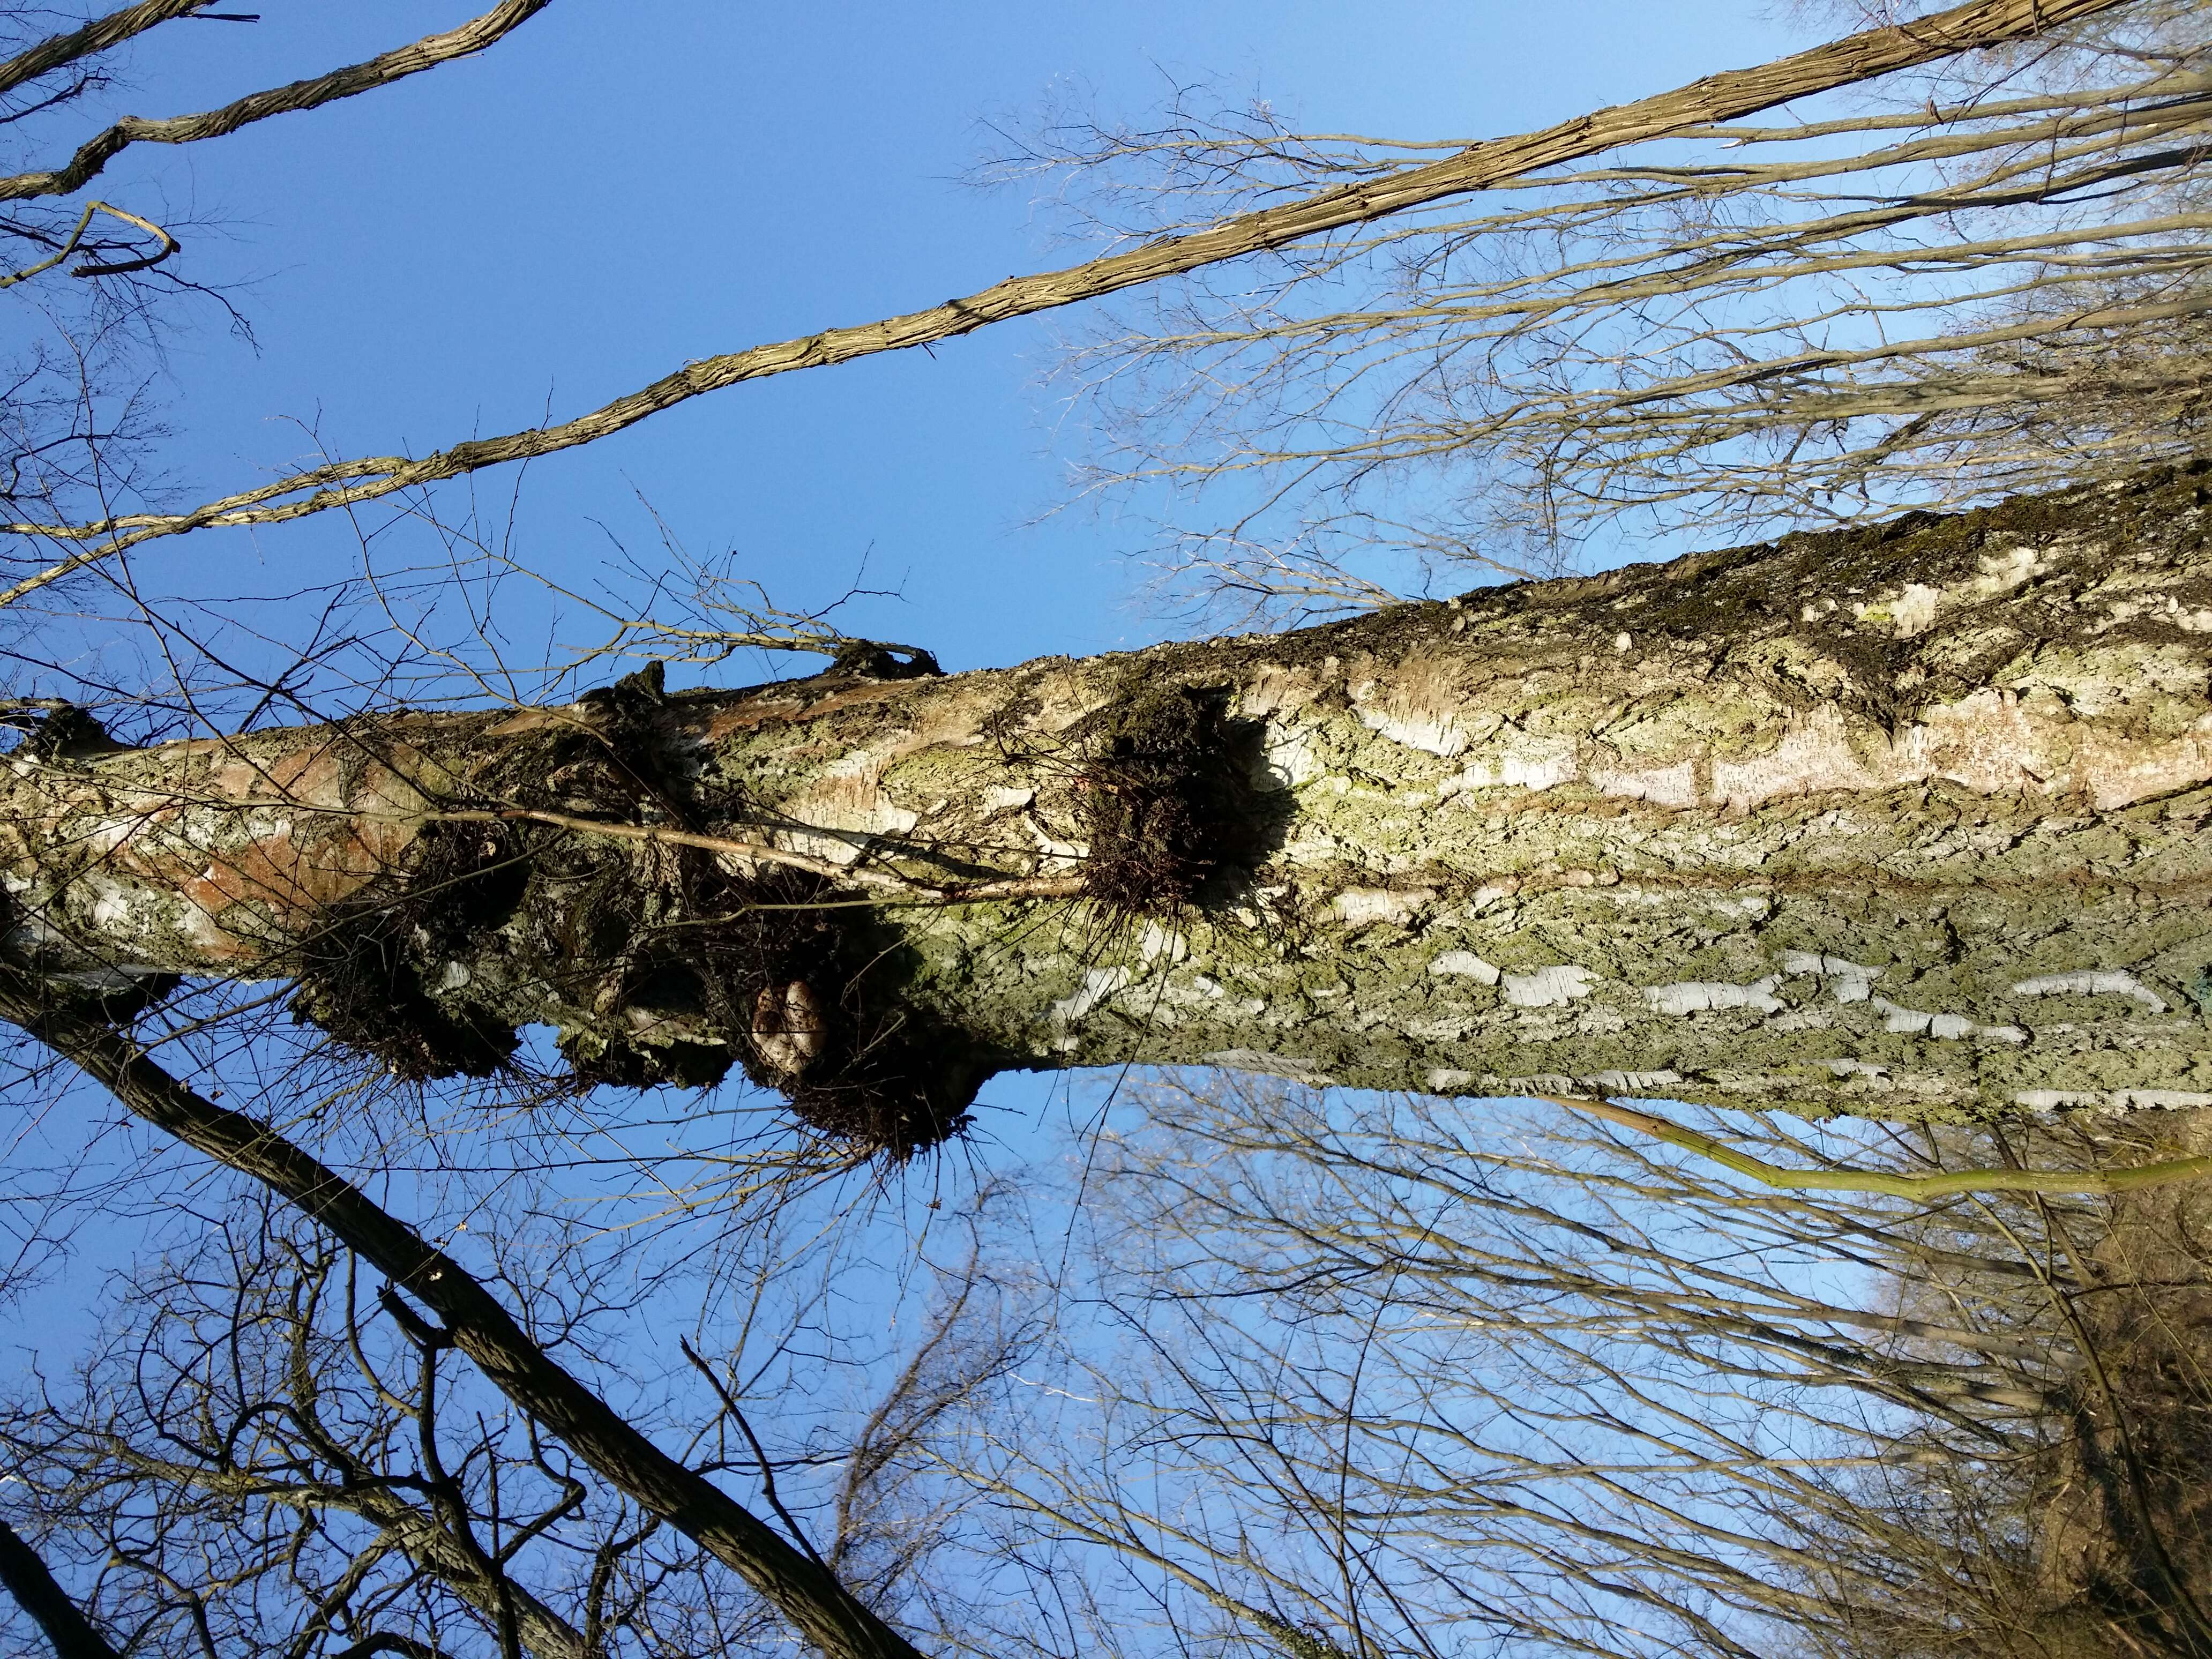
<point x="1906" y="820"/>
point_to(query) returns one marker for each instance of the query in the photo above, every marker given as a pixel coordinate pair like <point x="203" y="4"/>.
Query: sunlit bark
<point x="1906" y="820"/>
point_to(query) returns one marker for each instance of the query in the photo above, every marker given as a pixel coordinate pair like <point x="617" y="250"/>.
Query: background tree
<point x="78" y="431"/>
<point x="1287" y="225"/>
<point x="1974" y="279"/>
<point x="1339" y="1376"/>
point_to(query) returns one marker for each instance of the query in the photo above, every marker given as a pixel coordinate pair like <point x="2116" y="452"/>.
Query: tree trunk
<point x="1905" y="820"/>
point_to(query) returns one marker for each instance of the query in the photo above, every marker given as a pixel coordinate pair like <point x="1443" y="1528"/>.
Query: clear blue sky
<point x="617" y="189"/>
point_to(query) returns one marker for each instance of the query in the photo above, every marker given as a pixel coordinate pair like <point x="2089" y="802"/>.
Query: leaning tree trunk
<point x="1906" y="820"/>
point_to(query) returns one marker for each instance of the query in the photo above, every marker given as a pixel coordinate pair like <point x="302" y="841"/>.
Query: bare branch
<point x="1980" y="24"/>
<point x="1942" y="1185"/>
<point x="114" y="268"/>
<point x="821" y="1608"/>
<point x="426" y="53"/>
<point x="35" y="1590"/>
<point x="95" y="38"/>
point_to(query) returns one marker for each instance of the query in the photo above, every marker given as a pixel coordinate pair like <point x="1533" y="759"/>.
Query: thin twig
<point x="760" y="1456"/>
<point x="1940" y="1185"/>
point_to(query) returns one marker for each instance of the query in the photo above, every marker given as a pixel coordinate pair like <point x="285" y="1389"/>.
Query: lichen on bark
<point x="1906" y="819"/>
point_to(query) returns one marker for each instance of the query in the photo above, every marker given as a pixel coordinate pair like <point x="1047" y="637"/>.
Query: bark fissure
<point x="1906" y="820"/>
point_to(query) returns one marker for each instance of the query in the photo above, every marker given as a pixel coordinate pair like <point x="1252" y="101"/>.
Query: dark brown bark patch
<point x="805" y="998"/>
<point x="1168" y="798"/>
<point x="361" y="973"/>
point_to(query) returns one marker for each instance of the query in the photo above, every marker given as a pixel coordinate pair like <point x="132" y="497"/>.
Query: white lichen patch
<point x="1438" y="734"/>
<point x="1158" y="941"/>
<point x="2091" y="982"/>
<point x="1698" y="996"/>
<point x="104" y="836"/>
<point x="1847" y="981"/>
<point x="2061" y="1100"/>
<point x="1364" y="907"/>
<point x="1549" y="988"/>
<point x="849" y="804"/>
<point x="1524" y="762"/>
<point x="1748" y="906"/>
<point x="1634" y="1083"/>
<point x="1071" y="852"/>
<point x="2111" y="1100"/>
<point x="1098" y="984"/>
<point x="1947" y="1028"/>
<point x="845" y="841"/>
<point x="1196" y="991"/>
<point x="1288" y="758"/>
<point x="1918" y="607"/>
<point x="2003" y="570"/>
<point x="1464" y="963"/>
<point x="1858" y="1068"/>
<point x="1914" y="611"/>
<point x="1992" y="741"/>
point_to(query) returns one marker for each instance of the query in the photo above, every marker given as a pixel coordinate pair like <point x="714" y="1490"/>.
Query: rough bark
<point x="1907" y="820"/>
